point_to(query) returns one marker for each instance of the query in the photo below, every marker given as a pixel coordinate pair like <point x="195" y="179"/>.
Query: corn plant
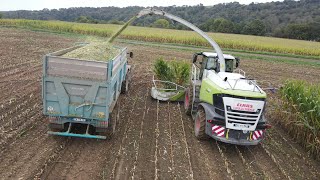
<point x="173" y="71"/>
<point x="303" y="102"/>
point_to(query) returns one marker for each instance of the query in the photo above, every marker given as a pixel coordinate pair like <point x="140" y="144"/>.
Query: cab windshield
<point x="212" y="64"/>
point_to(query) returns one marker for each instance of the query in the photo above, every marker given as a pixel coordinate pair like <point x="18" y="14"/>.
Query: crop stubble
<point x="153" y="140"/>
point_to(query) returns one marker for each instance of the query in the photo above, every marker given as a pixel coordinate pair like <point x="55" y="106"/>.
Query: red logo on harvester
<point x="243" y="107"/>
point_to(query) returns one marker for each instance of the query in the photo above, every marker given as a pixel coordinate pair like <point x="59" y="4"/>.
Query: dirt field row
<point x="153" y="140"/>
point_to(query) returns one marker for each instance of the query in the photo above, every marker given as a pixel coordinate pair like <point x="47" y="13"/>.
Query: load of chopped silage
<point x="95" y="50"/>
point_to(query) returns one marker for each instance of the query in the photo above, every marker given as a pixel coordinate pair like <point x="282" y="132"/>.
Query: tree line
<point x="288" y="19"/>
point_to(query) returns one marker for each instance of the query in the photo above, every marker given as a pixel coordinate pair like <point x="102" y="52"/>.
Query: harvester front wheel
<point x="200" y="125"/>
<point x="188" y="101"/>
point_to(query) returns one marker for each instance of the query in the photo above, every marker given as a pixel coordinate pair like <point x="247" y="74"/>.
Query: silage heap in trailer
<point x="98" y="51"/>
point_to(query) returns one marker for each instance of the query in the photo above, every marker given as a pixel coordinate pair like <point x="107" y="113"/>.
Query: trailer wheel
<point x="56" y="127"/>
<point x="200" y="125"/>
<point x="110" y="130"/>
<point x="125" y="85"/>
<point x="188" y="101"/>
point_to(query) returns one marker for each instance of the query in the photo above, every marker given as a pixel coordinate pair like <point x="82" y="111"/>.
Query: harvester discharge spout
<point x="151" y="11"/>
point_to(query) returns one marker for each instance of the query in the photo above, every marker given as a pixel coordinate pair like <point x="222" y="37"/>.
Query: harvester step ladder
<point x="196" y="99"/>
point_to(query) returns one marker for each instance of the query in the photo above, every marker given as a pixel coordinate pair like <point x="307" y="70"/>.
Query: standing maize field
<point x="230" y="41"/>
<point x="300" y="113"/>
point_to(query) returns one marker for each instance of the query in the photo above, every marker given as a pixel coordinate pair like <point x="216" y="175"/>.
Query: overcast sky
<point x="6" y="5"/>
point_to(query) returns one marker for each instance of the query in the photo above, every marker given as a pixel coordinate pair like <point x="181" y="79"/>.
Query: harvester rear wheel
<point x="200" y="125"/>
<point x="188" y="101"/>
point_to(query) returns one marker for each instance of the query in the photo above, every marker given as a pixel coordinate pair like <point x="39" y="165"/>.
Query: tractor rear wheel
<point x="200" y="125"/>
<point x="188" y="101"/>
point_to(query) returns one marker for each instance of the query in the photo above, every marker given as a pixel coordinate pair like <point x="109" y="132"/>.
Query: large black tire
<point x="200" y="125"/>
<point x="125" y="84"/>
<point x="188" y="101"/>
<point x="110" y="130"/>
<point x="56" y="127"/>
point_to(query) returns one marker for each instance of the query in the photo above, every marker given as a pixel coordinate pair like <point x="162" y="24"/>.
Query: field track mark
<point x="133" y="170"/>
<point x="17" y="92"/>
<point x="39" y="174"/>
<point x="116" y="168"/>
<point x="21" y="129"/>
<point x="171" y="143"/>
<point x="186" y="143"/>
<point x="115" y="137"/>
<point x="60" y="164"/>
<point x="276" y="162"/>
<point x="259" y="158"/>
<point x="13" y="105"/>
<point x="226" y="164"/>
<point x="26" y="147"/>
<point x="204" y="156"/>
<point x="156" y="145"/>
<point x="249" y="166"/>
<point x="115" y="172"/>
<point x="285" y="143"/>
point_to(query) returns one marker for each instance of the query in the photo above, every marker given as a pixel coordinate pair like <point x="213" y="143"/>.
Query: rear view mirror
<point x="194" y="58"/>
<point x="237" y="62"/>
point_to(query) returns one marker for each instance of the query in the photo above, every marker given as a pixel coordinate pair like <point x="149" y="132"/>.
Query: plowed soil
<point x="153" y="140"/>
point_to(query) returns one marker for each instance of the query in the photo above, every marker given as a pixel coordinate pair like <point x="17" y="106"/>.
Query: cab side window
<point x="229" y="65"/>
<point x="212" y="64"/>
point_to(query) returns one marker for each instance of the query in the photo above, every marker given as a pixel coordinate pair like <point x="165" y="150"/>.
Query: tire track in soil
<point x="110" y="155"/>
<point x="25" y="154"/>
<point x="143" y="157"/>
<point x="14" y="105"/>
<point x="145" y="164"/>
<point x="182" y="162"/>
<point x="292" y="165"/>
<point x="296" y="151"/>
<point x="129" y="143"/>
<point x="164" y="151"/>
<point x="205" y="156"/>
<point x="14" y="121"/>
<point x="113" y="161"/>
<point x="239" y="169"/>
<point x="16" y="92"/>
<point x="257" y="170"/>
<point x="259" y="159"/>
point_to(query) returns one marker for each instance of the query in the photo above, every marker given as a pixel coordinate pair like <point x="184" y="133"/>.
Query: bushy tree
<point x="86" y="19"/>
<point x="1" y="16"/>
<point x="161" y="23"/>
<point x="218" y="25"/>
<point x="255" y="27"/>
